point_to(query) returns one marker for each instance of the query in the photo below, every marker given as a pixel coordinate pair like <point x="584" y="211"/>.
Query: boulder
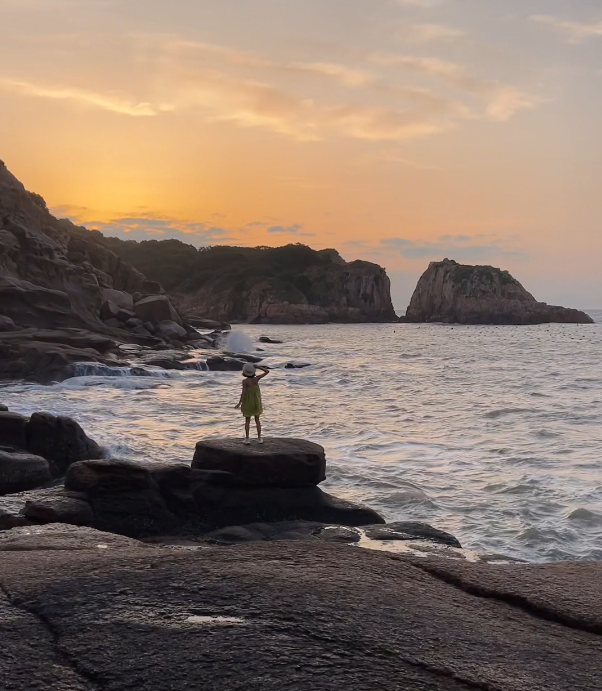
<point x="7" y="324"/>
<point x="156" y="308"/>
<point x="118" y="297"/>
<point x="125" y="315"/>
<point x="3" y="409"/>
<point x="59" y="536"/>
<point x="209" y="324"/>
<point x="61" y="440"/>
<point x="297" y="365"/>
<point x="124" y="497"/>
<point x="13" y="430"/>
<point x="170" y="331"/>
<point x="216" y="363"/>
<point x="133" y="323"/>
<point x="287" y="530"/>
<point x="60" y="508"/>
<point x="276" y="463"/>
<point x="226" y="506"/>
<point x="267" y="339"/>
<point x="245" y="357"/>
<point x="22" y="471"/>
<point x="109" y="310"/>
<point x="114" y="323"/>
<point x="411" y="531"/>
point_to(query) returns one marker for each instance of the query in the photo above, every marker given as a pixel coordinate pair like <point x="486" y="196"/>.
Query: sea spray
<point x="239" y="342"/>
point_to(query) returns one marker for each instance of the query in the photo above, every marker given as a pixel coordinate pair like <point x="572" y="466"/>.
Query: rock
<point x="109" y="311"/>
<point x="42" y="362"/>
<point x="287" y="530"/>
<point x="59" y="536"/>
<point x="7" y="324"/>
<point x="245" y="357"/>
<point x="150" y="327"/>
<point x="411" y="531"/>
<point x="165" y="363"/>
<point x="125" y="315"/>
<point x="303" y="616"/>
<point x="133" y="323"/>
<point x="95" y="476"/>
<point x="171" y="331"/>
<point x="3" y="409"/>
<point x="216" y="363"/>
<point x="59" y="509"/>
<point x="226" y="506"/>
<point x="60" y="440"/>
<point x="120" y="298"/>
<point x="276" y="463"/>
<point x="13" y="430"/>
<point x="202" y="343"/>
<point x="209" y="324"/>
<point x="114" y="323"/>
<point x="124" y="497"/>
<point x="267" y="339"/>
<point x="141" y="331"/>
<point x="22" y="471"/>
<point x="297" y="365"/>
<point x="456" y="293"/>
<point x="156" y="308"/>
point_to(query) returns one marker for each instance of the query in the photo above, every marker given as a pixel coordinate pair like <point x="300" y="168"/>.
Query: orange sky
<point x="400" y="131"/>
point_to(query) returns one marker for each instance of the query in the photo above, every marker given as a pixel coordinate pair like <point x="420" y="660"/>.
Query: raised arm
<point x="264" y="372"/>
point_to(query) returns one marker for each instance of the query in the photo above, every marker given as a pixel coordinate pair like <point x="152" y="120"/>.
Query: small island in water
<point x="462" y="294"/>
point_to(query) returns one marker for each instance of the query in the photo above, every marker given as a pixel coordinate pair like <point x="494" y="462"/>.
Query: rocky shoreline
<point x="234" y="570"/>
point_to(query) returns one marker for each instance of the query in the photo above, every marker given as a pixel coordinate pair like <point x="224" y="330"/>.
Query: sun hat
<point x="248" y="370"/>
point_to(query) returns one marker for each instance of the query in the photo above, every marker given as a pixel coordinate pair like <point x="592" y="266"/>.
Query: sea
<point x="492" y="433"/>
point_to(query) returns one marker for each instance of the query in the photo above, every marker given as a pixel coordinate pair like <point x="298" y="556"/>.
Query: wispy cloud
<point x="502" y="100"/>
<point x="422" y="4"/>
<point x="576" y="32"/>
<point x="426" y="33"/>
<point x="105" y="101"/>
<point x="463" y="247"/>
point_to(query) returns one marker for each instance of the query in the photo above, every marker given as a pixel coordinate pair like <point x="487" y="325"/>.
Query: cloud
<point x="577" y="32"/>
<point x="147" y="227"/>
<point x="347" y="76"/>
<point x="460" y="247"/>
<point x="422" y="4"/>
<point x="502" y="100"/>
<point x="294" y="229"/>
<point x="111" y="102"/>
<point x="426" y="33"/>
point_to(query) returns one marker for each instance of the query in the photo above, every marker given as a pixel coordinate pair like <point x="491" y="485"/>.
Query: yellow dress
<point x="251" y="401"/>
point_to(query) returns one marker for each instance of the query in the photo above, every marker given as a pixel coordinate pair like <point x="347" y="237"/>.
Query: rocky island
<point x="458" y="293"/>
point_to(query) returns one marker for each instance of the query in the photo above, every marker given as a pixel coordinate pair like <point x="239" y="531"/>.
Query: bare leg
<point x="247" y="426"/>
<point x="258" y="424"/>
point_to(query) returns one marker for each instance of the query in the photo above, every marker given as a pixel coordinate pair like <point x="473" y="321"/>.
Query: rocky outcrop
<point x="56" y="278"/>
<point x="82" y="612"/>
<point x="456" y="293"/>
<point x="35" y="450"/>
<point x="329" y="290"/>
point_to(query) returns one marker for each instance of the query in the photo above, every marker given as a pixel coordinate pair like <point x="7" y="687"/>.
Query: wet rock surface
<point x="411" y="531"/>
<point x="279" y="616"/>
<point x="21" y="471"/>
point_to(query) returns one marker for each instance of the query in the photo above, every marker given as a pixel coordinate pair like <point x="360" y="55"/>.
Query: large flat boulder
<point x="22" y="471"/>
<point x="61" y="536"/>
<point x="281" y="463"/>
<point x="155" y="309"/>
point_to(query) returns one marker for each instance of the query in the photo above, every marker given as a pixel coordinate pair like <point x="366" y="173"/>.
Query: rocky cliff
<point x="291" y="284"/>
<point x="457" y="293"/>
<point x="65" y="297"/>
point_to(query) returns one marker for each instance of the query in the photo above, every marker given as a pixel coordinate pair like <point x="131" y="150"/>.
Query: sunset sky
<point x="399" y="131"/>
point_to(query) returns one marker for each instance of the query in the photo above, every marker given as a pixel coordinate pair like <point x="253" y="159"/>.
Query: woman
<point x="250" y="398"/>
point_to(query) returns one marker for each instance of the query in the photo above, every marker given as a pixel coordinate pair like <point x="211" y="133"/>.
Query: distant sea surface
<point x="491" y="433"/>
